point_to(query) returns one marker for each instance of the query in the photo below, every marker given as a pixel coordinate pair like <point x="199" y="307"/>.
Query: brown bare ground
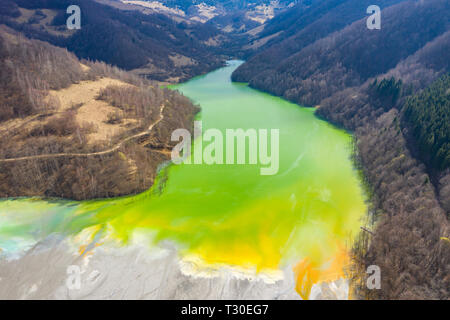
<point x="88" y="131"/>
<point x="92" y="111"/>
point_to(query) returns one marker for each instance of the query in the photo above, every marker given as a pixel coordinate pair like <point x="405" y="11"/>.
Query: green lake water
<point x="227" y="214"/>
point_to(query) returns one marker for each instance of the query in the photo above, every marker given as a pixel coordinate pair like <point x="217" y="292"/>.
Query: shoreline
<point x="192" y="267"/>
<point x="109" y="271"/>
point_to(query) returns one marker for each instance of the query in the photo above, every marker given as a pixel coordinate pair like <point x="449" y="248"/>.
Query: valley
<point x="86" y="134"/>
<point x="229" y="216"/>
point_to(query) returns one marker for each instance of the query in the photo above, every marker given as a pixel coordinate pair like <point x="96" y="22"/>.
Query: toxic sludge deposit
<point x="226" y="227"/>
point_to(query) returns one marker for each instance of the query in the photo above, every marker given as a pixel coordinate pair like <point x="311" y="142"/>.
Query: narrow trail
<point x="91" y="154"/>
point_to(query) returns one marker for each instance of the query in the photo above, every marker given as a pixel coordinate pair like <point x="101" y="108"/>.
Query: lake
<point x="304" y="216"/>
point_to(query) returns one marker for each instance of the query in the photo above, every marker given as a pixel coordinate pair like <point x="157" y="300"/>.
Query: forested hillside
<point x="428" y="114"/>
<point x="297" y="28"/>
<point x="74" y="127"/>
<point x="28" y="70"/>
<point x="79" y="130"/>
<point x="351" y="56"/>
<point x="154" y="44"/>
<point x="354" y="106"/>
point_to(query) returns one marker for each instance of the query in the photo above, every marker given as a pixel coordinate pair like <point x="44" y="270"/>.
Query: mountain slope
<point x="428" y="114"/>
<point x="79" y="130"/>
<point x="355" y="106"/>
<point x="154" y="44"/>
<point x="298" y="27"/>
<point x="351" y="56"/>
